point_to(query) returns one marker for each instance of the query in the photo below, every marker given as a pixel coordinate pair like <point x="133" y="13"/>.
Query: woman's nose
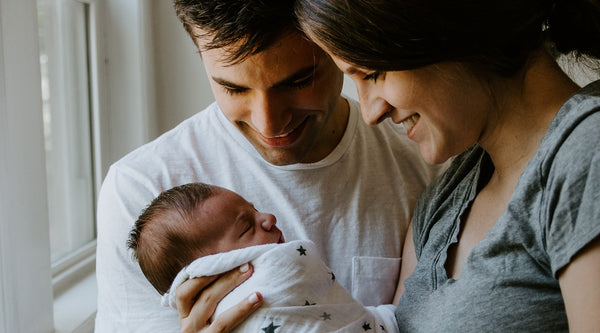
<point x="268" y="221"/>
<point x="373" y="106"/>
<point x="376" y="111"/>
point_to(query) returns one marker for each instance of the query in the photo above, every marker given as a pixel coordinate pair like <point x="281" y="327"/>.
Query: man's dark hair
<point x="163" y="240"/>
<point x="246" y="27"/>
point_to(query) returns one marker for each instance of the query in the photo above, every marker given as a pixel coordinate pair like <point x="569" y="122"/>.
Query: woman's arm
<point x="409" y="262"/>
<point x="198" y="298"/>
<point x="580" y="286"/>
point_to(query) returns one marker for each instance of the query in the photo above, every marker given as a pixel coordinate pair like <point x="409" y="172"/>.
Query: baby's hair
<point x="162" y="239"/>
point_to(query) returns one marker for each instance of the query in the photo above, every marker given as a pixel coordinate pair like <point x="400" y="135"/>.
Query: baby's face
<point x="234" y="223"/>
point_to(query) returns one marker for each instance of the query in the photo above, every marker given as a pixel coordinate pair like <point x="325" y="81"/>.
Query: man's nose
<point x="267" y="221"/>
<point x="270" y="114"/>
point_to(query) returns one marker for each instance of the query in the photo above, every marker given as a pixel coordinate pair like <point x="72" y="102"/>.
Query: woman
<point x="507" y="239"/>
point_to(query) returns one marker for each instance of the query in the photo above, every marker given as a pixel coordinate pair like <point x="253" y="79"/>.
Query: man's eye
<point x="300" y="84"/>
<point x="233" y="91"/>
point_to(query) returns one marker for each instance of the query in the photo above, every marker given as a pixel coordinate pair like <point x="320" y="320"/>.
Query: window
<point x="67" y="116"/>
<point x="95" y="60"/>
<point x="69" y="108"/>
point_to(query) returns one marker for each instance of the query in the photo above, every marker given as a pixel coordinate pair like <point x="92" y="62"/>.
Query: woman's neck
<point x="527" y="104"/>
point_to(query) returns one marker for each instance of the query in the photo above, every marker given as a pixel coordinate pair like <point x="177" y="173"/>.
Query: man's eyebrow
<point x="300" y="74"/>
<point x="228" y="84"/>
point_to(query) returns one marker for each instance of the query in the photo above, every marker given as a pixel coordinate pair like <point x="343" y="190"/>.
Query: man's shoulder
<point x="174" y="141"/>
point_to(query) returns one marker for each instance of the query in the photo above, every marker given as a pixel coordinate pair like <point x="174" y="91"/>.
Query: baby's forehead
<point x="235" y="198"/>
<point x="223" y="206"/>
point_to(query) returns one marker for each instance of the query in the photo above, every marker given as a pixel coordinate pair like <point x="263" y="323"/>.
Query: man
<point x="279" y="134"/>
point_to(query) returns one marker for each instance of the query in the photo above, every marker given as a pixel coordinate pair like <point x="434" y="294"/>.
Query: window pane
<point x="67" y="111"/>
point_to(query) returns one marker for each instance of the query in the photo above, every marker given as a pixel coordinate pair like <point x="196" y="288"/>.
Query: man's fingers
<point x="209" y="298"/>
<point x="198" y="298"/>
<point x="234" y="316"/>
<point x="186" y="294"/>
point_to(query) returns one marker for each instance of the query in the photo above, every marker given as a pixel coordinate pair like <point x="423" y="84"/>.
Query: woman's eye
<point x="373" y="76"/>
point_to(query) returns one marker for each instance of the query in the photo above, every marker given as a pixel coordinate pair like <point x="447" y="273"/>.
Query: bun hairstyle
<point x="574" y="26"/>
<point x="498" y="36"/>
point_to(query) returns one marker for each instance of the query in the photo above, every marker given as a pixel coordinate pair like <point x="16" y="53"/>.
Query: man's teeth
<point x="282" y="135"/>
<point x="410" y="122"/>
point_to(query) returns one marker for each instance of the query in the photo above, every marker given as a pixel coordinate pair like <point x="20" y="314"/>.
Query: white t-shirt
<point x="355" y="205"/>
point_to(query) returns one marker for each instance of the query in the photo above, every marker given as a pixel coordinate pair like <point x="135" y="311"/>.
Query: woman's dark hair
<point x="248" y="26"/>
<point x="497" y="35"/>
<point x="162" y="238"/>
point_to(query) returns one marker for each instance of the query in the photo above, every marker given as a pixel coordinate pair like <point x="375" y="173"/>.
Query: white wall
<point x="181" y="85"/>
<point x="128" y="103"/>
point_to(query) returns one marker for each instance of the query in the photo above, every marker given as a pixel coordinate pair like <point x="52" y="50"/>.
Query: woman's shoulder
<point x="574" y="134"/>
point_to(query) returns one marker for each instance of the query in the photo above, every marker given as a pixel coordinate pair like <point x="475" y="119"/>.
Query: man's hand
<point x="198" y="298"/>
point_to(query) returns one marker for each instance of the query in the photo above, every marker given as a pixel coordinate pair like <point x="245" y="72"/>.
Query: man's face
<point x="284" y="100"/>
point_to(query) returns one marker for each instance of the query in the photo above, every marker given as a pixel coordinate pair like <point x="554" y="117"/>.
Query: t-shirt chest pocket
<point x="374" y="279"/>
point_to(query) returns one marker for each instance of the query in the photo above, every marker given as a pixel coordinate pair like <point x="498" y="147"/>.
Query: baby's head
<point x="194" y="220"/>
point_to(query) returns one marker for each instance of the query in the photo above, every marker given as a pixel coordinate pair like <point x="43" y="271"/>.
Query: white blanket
<point x="300" y="293"/>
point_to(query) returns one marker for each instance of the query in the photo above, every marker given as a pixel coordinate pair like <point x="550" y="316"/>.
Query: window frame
<point x="22" y="179"/>
<point x="121" y="64"/>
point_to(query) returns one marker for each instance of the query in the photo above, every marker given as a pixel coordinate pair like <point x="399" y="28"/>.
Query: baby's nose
<point x="269" y="221"/>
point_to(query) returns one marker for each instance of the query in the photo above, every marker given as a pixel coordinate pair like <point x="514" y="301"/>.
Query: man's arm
<point x="126" y="300"/>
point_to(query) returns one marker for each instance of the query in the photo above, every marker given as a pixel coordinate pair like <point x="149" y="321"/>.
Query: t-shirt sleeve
<point x="126" y="300"/>
<point x="573" y="194"/>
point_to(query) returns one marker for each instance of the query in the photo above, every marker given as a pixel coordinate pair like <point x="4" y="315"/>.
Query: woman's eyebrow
<point x="351" y="70"/>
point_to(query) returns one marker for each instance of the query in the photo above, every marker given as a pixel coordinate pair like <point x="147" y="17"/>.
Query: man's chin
<point x="293" y="154"/>
<point x="281" y="159"/>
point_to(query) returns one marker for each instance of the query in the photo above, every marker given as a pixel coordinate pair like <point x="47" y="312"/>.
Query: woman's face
<point x="442" y="108"/>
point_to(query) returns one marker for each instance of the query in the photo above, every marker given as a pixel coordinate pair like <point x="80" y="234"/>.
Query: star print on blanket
<point x="271" y="328"/>
<point x="300" y="292"/>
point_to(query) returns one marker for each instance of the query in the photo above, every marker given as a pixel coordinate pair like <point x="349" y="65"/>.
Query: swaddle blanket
<point x="300" y="292"/>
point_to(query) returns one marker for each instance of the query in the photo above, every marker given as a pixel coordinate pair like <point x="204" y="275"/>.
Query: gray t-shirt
<point x="509" y="281"/>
